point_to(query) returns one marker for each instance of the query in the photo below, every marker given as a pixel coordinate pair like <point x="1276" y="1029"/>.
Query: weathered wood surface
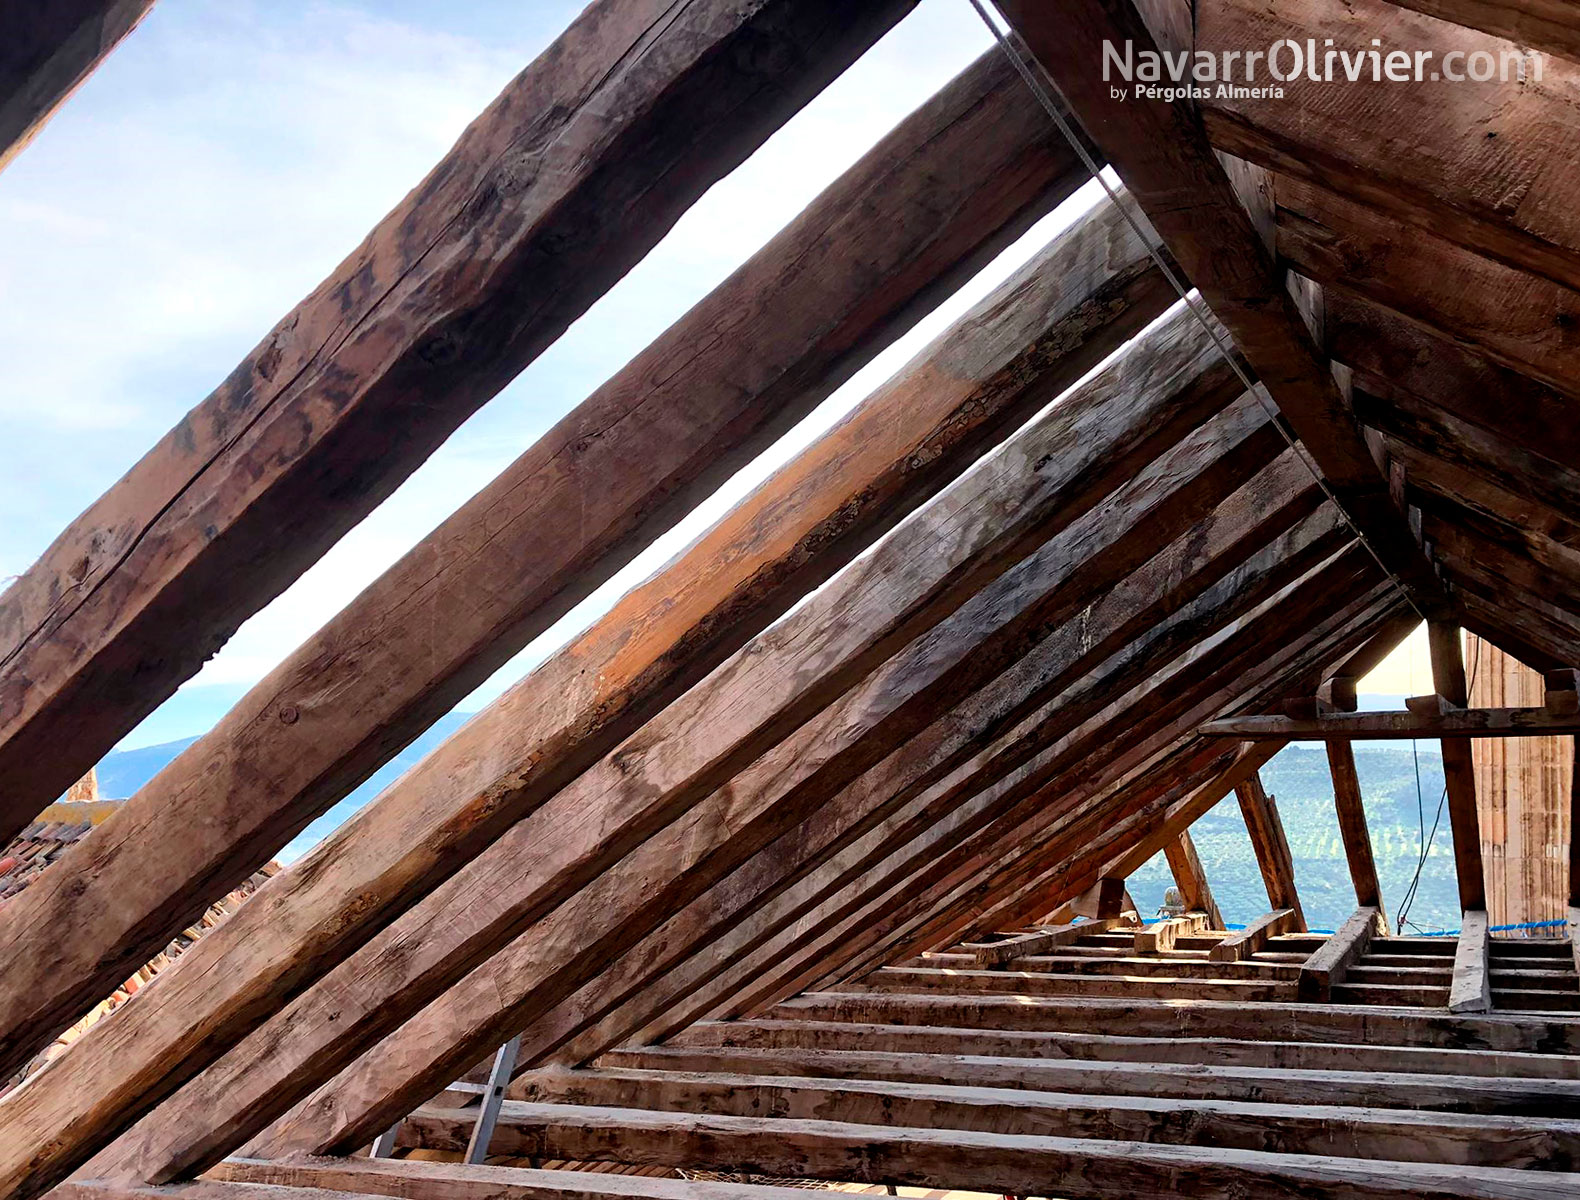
<point x="1160" y="937"/>
<point x="1041" y="482"/>
<point x="965" y="172"/>
<point x="1470" y="990"/>
<point x="47" y="49"/>
<point x="1513" y="316"/>
<point x="1353" y="830"/>
<point x="1330" y="963"/>
<point x="1546" y="24"/>
<point x="1041" y="983"/>
<point x="1092" y="960"/>
<point x="202" y="1189"/>
<point x="578" y="168"/>
<point x="1248" y="941"/>
<point x="1188" y="1119"/>
<point x="1418" y="151"/>
<point x="1162" y="153"/>
<point x="1191" y="877"/>
<point x="1446" y="647"/>
<point x="1273" y="859"/>
<point x="1197" y="1018"/>
<point x="1453" y="725"/>
<point x="768" y="1034"/>
<point x="1017" y="1164"/>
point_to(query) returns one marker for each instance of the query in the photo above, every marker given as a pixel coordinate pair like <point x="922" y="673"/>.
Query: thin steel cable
<point x="1018" y="54"/>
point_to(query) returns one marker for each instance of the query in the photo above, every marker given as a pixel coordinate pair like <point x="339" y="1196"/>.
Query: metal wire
<point x="1021" y="58"/>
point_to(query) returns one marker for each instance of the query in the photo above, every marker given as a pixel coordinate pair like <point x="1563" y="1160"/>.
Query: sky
<point x="229" y="153"/>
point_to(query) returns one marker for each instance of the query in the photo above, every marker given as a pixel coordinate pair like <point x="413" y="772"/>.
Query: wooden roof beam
<point x="1162" y="153"/>
<point x="454" y="807"/>
<point x="47" y="48"/>
<point x="1545" y="24"/>
<point x="1266" y="831"/>
<point x="943" y="191"/>
<point x="1191" y="878"/>
<point x="576" y="170"/>
<point x="1454" y="724"/>
<point x="1459" y="776"/>
<point x="1331" y="961"/>
<point x="1353" y="829"/>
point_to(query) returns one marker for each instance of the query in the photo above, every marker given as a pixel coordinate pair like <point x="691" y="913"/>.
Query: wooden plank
<point x="1160" y="937"/>
<point x="413" y="1179"/>
<point x="1451" y="726"/>
<point x="1397" y="1135"/>
<point x="200" y="1189"/>
<point x="994" y="953"/>
<point x="1459" y="776"/>
<point x="1353" y="829"/>
<point x="806" y="312"/>
<point x="1191" y="878"/>
<point x="1014" y="1164"/>
<point x="577" y="169"/>
<point x="1162" y="154"/>
<point x="768" y="1034"/>
<point x="1104" y="900"/>
<point x="1045" y="480"/>
<point x="1329" y="964"/>
<point x="1273" y="858"/>
<point x="1042" y="983"/>
<point x="1337" y="1084"/>
<point x="1471" y="989"/>
<point x="1546" y="24"/>
<point x="1428" y="162"/>
<point x="49" y="48"/>
<point x="1253" y="938"/>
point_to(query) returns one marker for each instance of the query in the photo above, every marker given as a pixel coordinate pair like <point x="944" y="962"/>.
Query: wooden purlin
<point x="675" y="420"/>
<point x="999" y="625"/>
<point x="47" y="49"/>
<point x="579" y="167"/>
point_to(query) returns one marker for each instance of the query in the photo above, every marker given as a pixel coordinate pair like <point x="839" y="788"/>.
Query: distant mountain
<point x="122" y="772"/>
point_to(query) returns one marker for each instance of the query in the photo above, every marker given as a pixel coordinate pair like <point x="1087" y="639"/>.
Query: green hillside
<point x="1299" y="779"/>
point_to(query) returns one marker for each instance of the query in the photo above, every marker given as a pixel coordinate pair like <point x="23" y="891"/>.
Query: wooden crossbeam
<point x="548" y="198"/>
<point x="1276" y="863"/>
<point x="1452" y="725"/>
<point x="1040" y="942"/>
<point x="1191" y="877"/>
<point x="1040" y="483"/>
<point x="1161" y="152"/>
<point x="1330" y="962"/>
<point x="944" y="1158"/>
<point x="1546" y="24"/>
<point x="1248" y="941"/>
<point x="681" y="416"/>
<point x="1470" y="990"/>
<point x="1353" y="830"/>
<point x="1459" y="775"/>
<point x="50" y="47"/>
<point x="1162" y="935"/>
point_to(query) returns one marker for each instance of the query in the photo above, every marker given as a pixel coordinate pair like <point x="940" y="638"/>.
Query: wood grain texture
<point x="49" y="47"/>
<point x="1545" y="24"/>
<point x="1446" y="645"/>
<point x="1191" y="878"/>
<point x="916" y="213"/>
<point x="430" y="824"/>
<point x="1253" y="938"/>
<point x="575" y="171"/>
<point x="1330" y="962"/>
<point x="1353" y="830"/>
<point x="1266" y="831"/>
<point x="1470" y="989"/>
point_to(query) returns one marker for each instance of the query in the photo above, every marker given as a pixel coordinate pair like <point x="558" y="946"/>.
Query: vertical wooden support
<point x="1191" y="878"/>
<point x="1352" y="826"/>
<point x="1272" y="848"/>
<point x="1448" y="677"/>
<point x="1471" y="990"/>
<point x="1574" y="854"/>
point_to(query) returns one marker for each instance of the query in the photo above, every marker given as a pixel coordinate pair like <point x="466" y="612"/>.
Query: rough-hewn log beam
<point x="1353" y="829"/>
<point x="47" y="48"/>
<point x="1454" y="725"/>
<point x="1459" y="777"/>
<point x="1191" y="877"/>
<point x="1470" y="990"/>
<point x="1545" y="24"/>
<point x="1430" y="161"/>
<point x="1328" y="965"/>
<point x="994" y="953"/>
<point x="576" y="170"/>
<point x="936" y="1158"/>
<point x="1045" y="480"/>
<point x="1161" y="152"/>
<point x="1161" y="936"/>
<point x="1248" y="941"/>
<point x="965" y="172"/>
<point x="1273" y="859"/>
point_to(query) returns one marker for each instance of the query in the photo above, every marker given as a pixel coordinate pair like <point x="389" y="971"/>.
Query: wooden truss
<point x="807" y="860"/>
